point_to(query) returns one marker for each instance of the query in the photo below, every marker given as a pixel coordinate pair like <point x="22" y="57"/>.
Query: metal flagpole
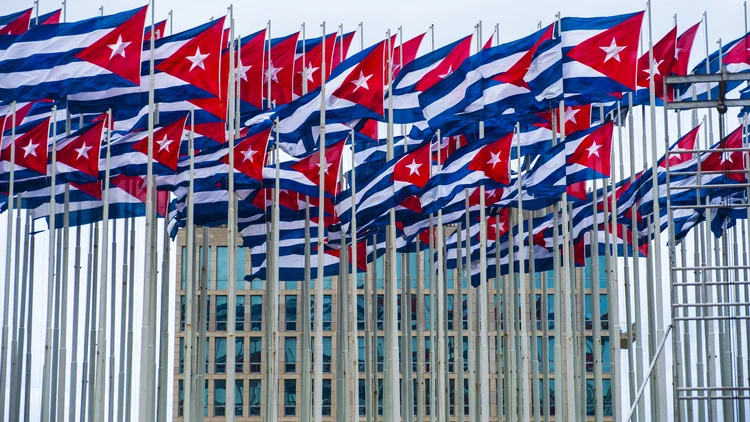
<point x="433" y="338"/>
<point x="306" y="368"/>
<point x="203" y="321"/>
<point x="525" y="386"/>
<point x="556" y="274"/>
<point x="510" y="354"/>
<point x="353" y="321"/>
<point x="113" y="304"/>
<point x="123" y="325"/>
<point x="90" y="296"/>
<point x="27" y="375"/>
<point x="103" y="314"/>
<point x="231" y="237"/>
<point x="373" y="357"/>
<point x="8" y="257"/>
<point x="318" y="356"/>
<point x="420" y="399"/>
<point x="393" y="411"/>
<point x="272" y="327"/>
<point x="131" y="300"/>
<point x="166" y="286"/>
<point x="56" y="327"/>
<point x="16" y="284"/>
<point x="471" y="323"/>
<point x="146" y="411"/>
<point x="612" y="285"/>
<point x="47" y="376"/>
<point x="190" y="262"/>
<point x="534" y="311"/>
<point x="459" y="343"/>
<point x="658" y="376"/>
<point x="63" y="369"/>
<point x="89" y="382"/>
<point x="15" y="398"/>
<point x="595" y="308"/>
<point x="370" y="374"/>
<point x="440" y="311"/>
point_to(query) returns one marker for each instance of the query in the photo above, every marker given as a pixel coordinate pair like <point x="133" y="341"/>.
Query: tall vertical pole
<point x="595" y="278"/>
<point x="112" y="307"/>
<point x="87" y="379"/>
<point x="231" y="235"/>
<point x="200" y="384"/>
<point x="16" y="292"/>
<point x="9" y="257"/>
<point x="47" y="376"/>
<point x="123" y="324"/>
<point x="27" y="374"/>
<point x="15" y="402"/>
<point x="393" y="412"/>
<point x="101" y="349"/>
<point x="129" y="340"/>
<point x="162" y="390"/>
<point x="525" y="386"/>
<point x="189" y="283"/>
<point x="471" y="323"/>
<point x="318" y="356"/>
<point x="63" y="369"/>
<point x="272" y="326"/>
<point x="440" y="311"/>
<point x="146" y="399"/>
<point x="660" y="374"/>
<point x="353" y="321"/>
<point x="459" y="343"/>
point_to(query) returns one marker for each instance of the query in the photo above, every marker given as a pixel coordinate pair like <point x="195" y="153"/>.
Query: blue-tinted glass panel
<point x="253" y="401"/>
<point x="290" y="316"/>
<point x="239" y="322"/>
<point x="222" y="268"/>
<point x="220" y="397"/>
<point x="290" y="397"/>
<point x="290" y="354"/>
<point x="221" y="313"/>
<point x="256" y="313"/>
<point x="220" y="353"/>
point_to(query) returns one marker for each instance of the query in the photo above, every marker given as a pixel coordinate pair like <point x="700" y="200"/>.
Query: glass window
<point x="239" y="322"/>
<point x="256" y="313"/>
<point x="220" y="397"/>
<point x="208" y="312"/>
<point x="183" y="272"/>
<point x="452" y="396"/>
<point x="414" y="351"/>
<point x="381" y="272"/>
<point x="290" y="354"/>
<point x="208" y="266"/>
<point x="182" y="312"/>
<point x="426" y="274"/>
<point x="327" y="354"/>
<point x="182" y="354"/>
<point x="381" y="353"/>
<point x="360" y="312"/>
<point x="240" y="273"/>
<point x="254" y="397"/>
<point x="327" y="312"/>
<point x="380" y="396"/>
<point x="327" y="282"/>
<point x="326" y="397"/>
<point x="256" y="351"/>
<point x="239" y="389"/>
<point x="551" y="312"/>
<point x="290" y="397"/>
<point x="205" y="397"/>
<point x="291" y="285"/>
<point x="449" y="280"/>
<point x="427" y="351"/>
<point x="239" y="355"/>
<point x="465" y="312"/>
<point x="222" y="268"/>
<point x="450" y="307"/>
<point x="291" y="312"/>
<point x="220" y="353"/>
<point x="361" y="354"/>
<point x="180" y="396"/>
<point x="427" y="396"/>
<point x="381" y="312"/>
<point x="221" y="313"/>
<point x="451" y="353"/>
<point x="362" y="398"/>
<point x="426" y="312"/>
<point x="465" y="352"/>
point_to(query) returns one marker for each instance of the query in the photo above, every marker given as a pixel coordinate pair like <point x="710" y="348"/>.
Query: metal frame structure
<point x="710" y="298"/>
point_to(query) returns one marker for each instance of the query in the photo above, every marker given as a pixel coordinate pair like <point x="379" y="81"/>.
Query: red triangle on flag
<point x="250" y="70"/>
<point x="197" y="62"/>
<point x="119" y="51"/>
<point x="82" y="153"/>
<point x="447" y="66"/>
<point x="310" y="167"/>
<point x="340" y="51"/>
<point x="577" y="190"/>
<point x="31" y="148"/>
<point x="683" y="49"/>
<point x="310" y="67"/>
<point x="19" y="25"/>
<point x="613" y="52"/>
<point x="412" y="203"/>
<point x="687" y="143"/>
<point x="594" y="150"/>
<point x="515" y="75"/>
<point x="93" y="189"/>
<point x="576" y="118"/>
<point x="250" y="154"/>
<point x="493" y="159"/>
<point x="664" y="59"/>
<point x="364" y="84"/>
<point x="166" y="143"/>
<point x="280" y="69"/>
<point x="414" y="167"/>
<point x="725" y="160"/>
<point x="405" y="53"/>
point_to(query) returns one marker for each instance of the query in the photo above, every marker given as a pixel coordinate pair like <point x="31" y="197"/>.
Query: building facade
<point x="251" y="324"/>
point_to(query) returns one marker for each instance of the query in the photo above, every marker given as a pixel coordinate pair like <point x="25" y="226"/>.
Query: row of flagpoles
<point x="152" y="391"/>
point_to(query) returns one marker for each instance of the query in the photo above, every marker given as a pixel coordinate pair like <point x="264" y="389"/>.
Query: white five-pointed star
<point x="414" y="167"/>
<point x="164" y="144"/>
<point x="594" y="149"/>
<point x="447" y="73"/>
<point x="118" y="48"/>
<point x="677" y="53"/>
<point x="726" y="156"/>
<point x="656" y="68"/>
<point x="83" y="151"/>
<point x="248" y="154"/>
<point x="29" y="149"/>
<point x="494" y="160"/>
<point x="361" y="81"/>
<point x="570" y="115"/>
<point x="328" y="165"/>
<point x="242" y="71"/>
<point x="612" y="51"/>
<point x="272" y="72"/>
<point x="501" y="226"/>
<point x="308" y="71"/>
<point x="197" y="60"/>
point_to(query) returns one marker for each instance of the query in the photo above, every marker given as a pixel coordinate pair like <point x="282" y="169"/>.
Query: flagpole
<point x="56" y="328"/>
<point x="353" y="285"/>
<point x="659" y="375"/>
<point x="63" y="370"/>
<point x="459" y="343"/>
<point x="231" y="238"/>
<point x="373" y="357"/>
<point x="272" y="328"/>
<point x="318" y="356"/>
<point x="440" y="310"/>
<point x="17" y="269"/>
<point x="89" y="382"/>
<point x="8" y="254"/>
<point x="130" y="313"/>
<point x="113" y="304"/>
<point x="391" y="383"/>
<point x="202" y="319"/>
<point x="166" y="287"/>
<point x="189" y="272"/>
<point x="433" y="338"/>
<point x="471" y="323"/>
<point x="525" y="365"/>
<point x="420" y="333"/>
<point x="511" y="354"/>
<point x="146" y="411"/>
<point x="47" y="375"/>
<point x="17" y="350"/>
<point x="123" y="326"/>
<point x="90" y="296"/>
<point x="27" y="376"/>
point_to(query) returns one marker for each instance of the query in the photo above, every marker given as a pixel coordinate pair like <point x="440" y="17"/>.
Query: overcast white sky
<point x="452" y="19"/>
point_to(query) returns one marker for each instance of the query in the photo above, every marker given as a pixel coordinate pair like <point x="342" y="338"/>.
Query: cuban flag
<point x="279" y="70"/>
<point x="250" y="65"/>
<point x="683" y="49"/>
<point x="517" y="77"/>
<point x="470" y="166"/>
<point x="52" y="61"/>
<point x="353" y="91"/>
<point x="589" y="153"/>
<point x="735" y="57"/>
<point x="302" y="175"/>
<point x="15" y="23"/>
<point x="393" y="183"/>
<point x="30" y="149"/>
<point x="51" y="18"/>
<point x="665" y="57"/>
<point x="421" y="74"/>
<point x="600" y="56"/>
<point x="307" y="62"/>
